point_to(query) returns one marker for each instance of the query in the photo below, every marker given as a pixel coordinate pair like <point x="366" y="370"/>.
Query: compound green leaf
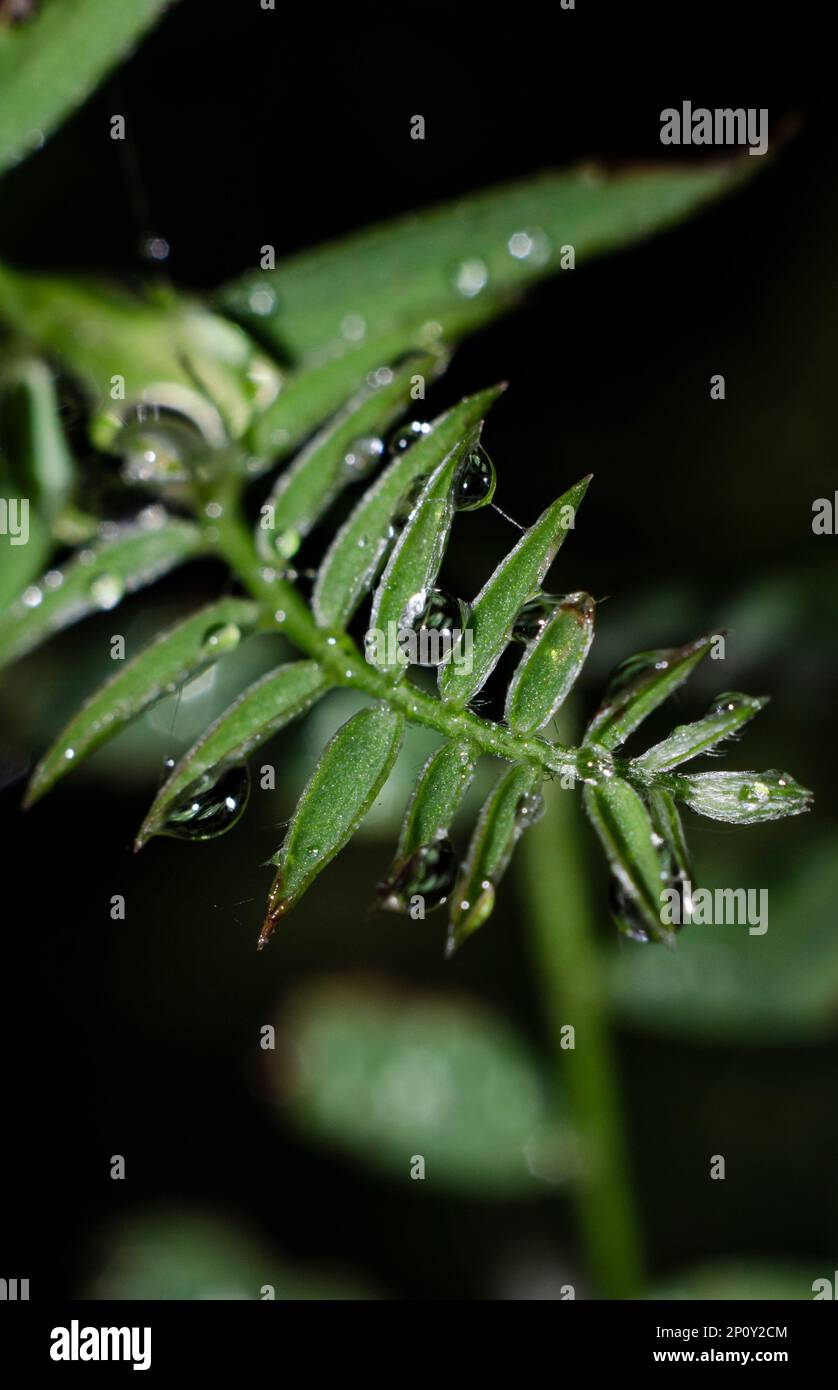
<point x="159" y="669"/>
<point x="96" y="580"/>
<point x="548" y="670"/>
<point x="500" y="600"/>
<point x="353" y="559"/>
<point x="256" y="715"/>
<point x="353" y="768"/>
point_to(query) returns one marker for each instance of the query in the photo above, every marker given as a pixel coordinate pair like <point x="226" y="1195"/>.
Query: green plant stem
<point x="553" y="876"/>
<point x="346" y="666"/>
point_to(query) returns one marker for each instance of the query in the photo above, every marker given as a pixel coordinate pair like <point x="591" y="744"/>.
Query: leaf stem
<point x="552" y="872"/>
<point x="346" y="665"/>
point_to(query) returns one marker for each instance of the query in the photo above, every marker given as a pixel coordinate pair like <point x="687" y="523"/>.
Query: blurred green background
<point x="290" y="1168"/>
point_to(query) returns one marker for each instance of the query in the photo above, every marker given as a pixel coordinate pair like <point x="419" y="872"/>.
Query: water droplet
<point x="288" y="543"/>
<point x="626" y="914"/>
<point x="431" y="872"/>
<point x="53" y="579"/>
<point x="106" y="590"/>
<point x="160" y="448"/>
<point x="470" y="277"/>
<point x="407" y="435"/>
<point x="152" y="518"/>
<point x="213" y="510"/>
<point x="353" y="327"/>
<point x="443" y="615"/>
<point x="529" y="810"/>
<point x="408" y="501"/>
<point x="32" y="596"/>
<point x="533" y="246"/>
<point x="474" y="485"/>
<point x="362" y="455"/>
<point x="731" y="701"/>
<point x="69" y="754"/>
<point x="224" y="637"/>
<point x="156" y="248"/>
<point x="534" y="616"/>
<point x="212" y="806"/>
<point x="262" y="301"/>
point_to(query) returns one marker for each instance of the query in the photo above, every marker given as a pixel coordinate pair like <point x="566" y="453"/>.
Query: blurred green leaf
<point x="52" y="61"/>
<point x="344" y="578"/>
<point x="482" y="250"/>
<point x="172" y="659"/>
<point x="95" y="581"/>
<point x="550" y="665"/>
<point x="723" y="984"/>
<point x="511" y="806"/>
<point x="32" y="442"/>
<point x="638" y="686"/>
<point x="503" y="595"/>
<point x="256" y="715"/>
<point x="20" y="564"/>
<point x="351" y="771"/>
<point x="738" y="1280"/>
<point x="389" y="1078"/>
<point x="170" y="1254"/>
<point x="169" y="352"/>
<point x="344" y="451"/>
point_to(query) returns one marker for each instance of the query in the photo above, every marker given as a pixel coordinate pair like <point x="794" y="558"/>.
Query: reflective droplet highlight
<point x="212" y="806"/>
<point x="474" y="485"/>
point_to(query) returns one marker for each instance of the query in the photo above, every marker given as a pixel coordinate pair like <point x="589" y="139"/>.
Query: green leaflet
<point x="743" y="798"/>
<point x="353" y="768"/>
<point x="727" y="714"/>
<point x="504" y="594"/>
<point x="255" y="716"/>
<point x="96" y="580"/>
<point x="169" y="352"/>
<point x="482" y="250"/>
<point x="512" y="805"/>
<point x="353" y="558"/>
<point x="32" y="440"/>
<point x="342" y="453"/>
<point x="20" y="564"/>
<point x="549" y="667"/>
<point x="322" y="385"/>
<point x="51" y="62"/>
<point x="439" y="790"/>
<point x="625" y="830"/>
<point x="402" y="594"/>
<point x="638" y="686"/>
<point x="175" y="657"/>
<point x="667" y="822"/>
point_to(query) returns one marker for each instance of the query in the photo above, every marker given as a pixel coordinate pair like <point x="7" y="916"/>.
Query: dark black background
<point x="290" y="127"/>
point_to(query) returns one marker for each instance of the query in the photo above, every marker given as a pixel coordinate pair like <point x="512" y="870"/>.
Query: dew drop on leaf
<point x="223" y="637"/>
<point x="437" y="628"/>
<point x="730" y="702"/>
<point x="474" y="485"/>
<point x="430" y="872"/>
<point x="106" y="590"/>
<point x="627" y="917"/>
<point x="362" y="455"/>
<point x="529" y="810"/>
<point x="407" y="435"/>
<point x="470" y="276"/>
<point x="534" y="616"/>
<point x="212" y="806"/>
